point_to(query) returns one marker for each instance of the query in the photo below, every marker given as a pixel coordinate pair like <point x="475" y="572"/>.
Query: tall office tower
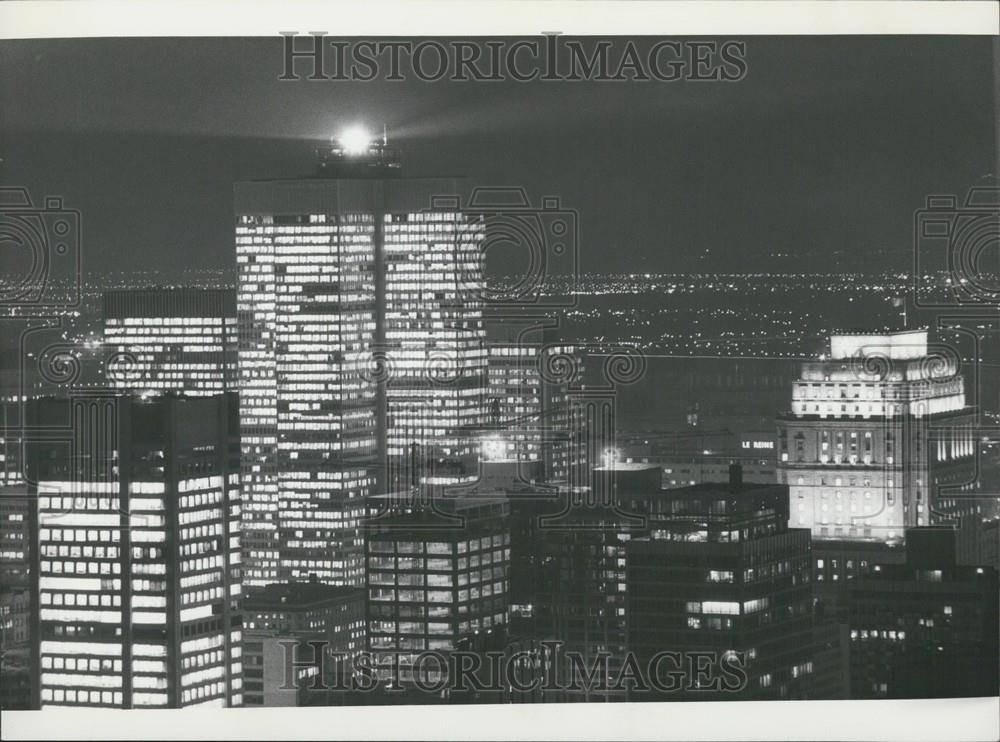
<point x="722" y="573"/>
<point x="527" y="402"/>
<point x="927" y="628"/>
<point x="361" y="358"/>
<point x="434" y="339"/>
<point x="136" y="582"/>
<point x="436" y="576"/>
<point x="171" y="340"/>
<point x="873" y="430"/>
<point x="299" y="643"/>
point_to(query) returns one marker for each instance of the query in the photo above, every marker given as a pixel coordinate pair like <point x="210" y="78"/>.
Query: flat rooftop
<point x="299" y="595"/>
<point x="899" y="345"/>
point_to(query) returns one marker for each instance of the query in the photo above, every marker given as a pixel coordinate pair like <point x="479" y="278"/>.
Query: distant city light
<point x="355" y="140"/>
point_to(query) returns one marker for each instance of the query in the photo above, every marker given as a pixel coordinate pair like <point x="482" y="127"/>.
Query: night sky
<point x="820" y="154"/>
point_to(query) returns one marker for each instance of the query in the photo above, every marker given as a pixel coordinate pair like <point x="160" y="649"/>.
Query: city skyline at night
<point x="565" y="382"/>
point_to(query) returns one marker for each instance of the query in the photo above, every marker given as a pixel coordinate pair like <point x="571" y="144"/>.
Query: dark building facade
<point x="927" y="628"/>
<point x="721" y="575"/>
<point x="571" y="565"/>
<point x="580" y="600"/>
<point x="300" y="642"/>
<point x="15" y="536"/>
<point x="16" y="677"/>
<point x="10" y="434"/>
<point x="694" y="456"/>
<point x="836" y="565"/>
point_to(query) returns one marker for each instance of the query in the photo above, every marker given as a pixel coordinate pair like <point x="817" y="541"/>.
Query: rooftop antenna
<point x="900" y="303"/>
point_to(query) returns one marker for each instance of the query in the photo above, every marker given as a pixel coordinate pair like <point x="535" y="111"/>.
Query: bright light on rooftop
<point x="355" y="140"/>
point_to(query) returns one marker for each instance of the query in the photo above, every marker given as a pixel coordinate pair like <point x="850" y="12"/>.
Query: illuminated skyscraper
<point x="873" y="429"/>
<point x="435" y="577"/>
<point x="360" y="353"/>
<point x="181" y="340"/>
<point x="528" y="406"/>
<point x="136" y="584"/>
<point x="307" y="409"/>
<point x="434" y="339"/>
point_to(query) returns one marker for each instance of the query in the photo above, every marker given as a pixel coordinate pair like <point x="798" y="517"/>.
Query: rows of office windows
<point x="88" y="697"/>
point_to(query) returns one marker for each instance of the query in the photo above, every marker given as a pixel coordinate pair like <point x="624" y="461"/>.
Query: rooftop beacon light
<point x="355" y="140"/>
<point x="356" y="152"/>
